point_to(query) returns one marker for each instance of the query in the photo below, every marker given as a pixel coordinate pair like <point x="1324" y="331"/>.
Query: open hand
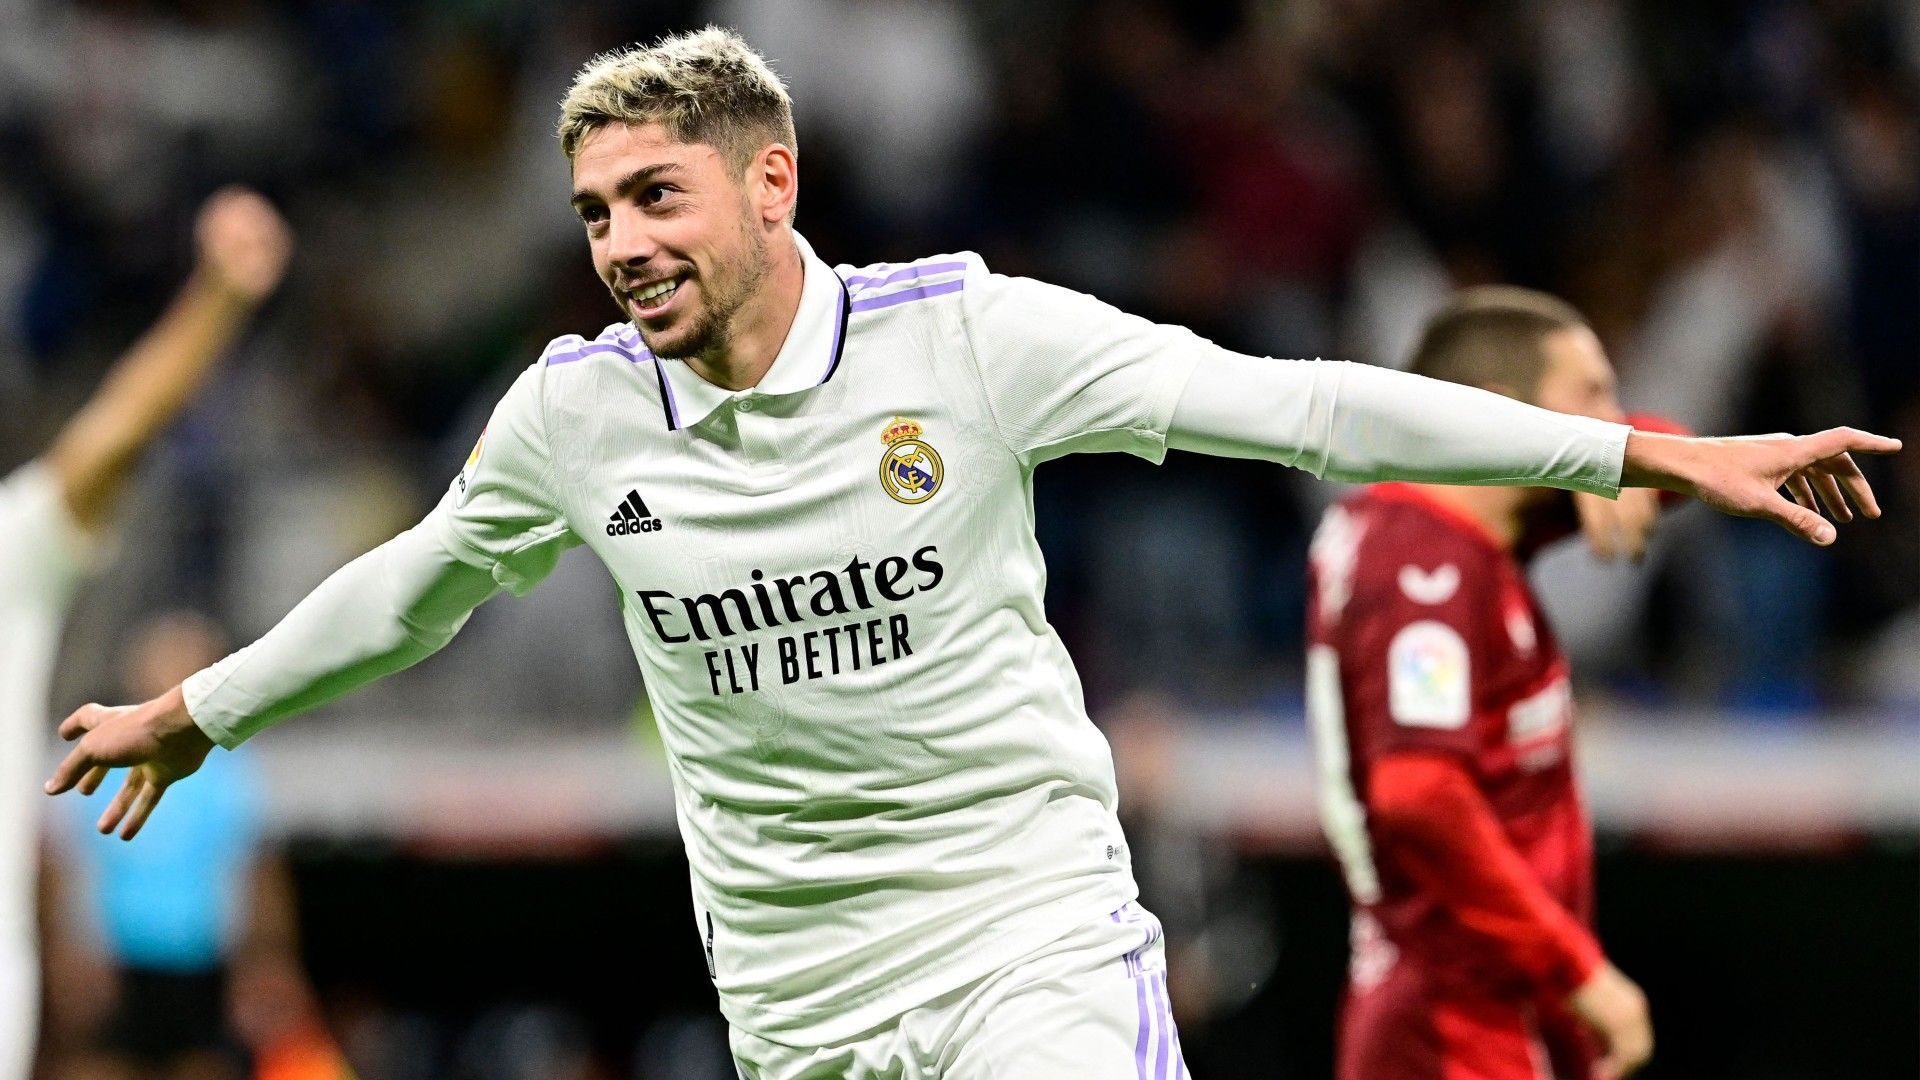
<point x="157" y="739"/>
<point x="1744" y="476"/>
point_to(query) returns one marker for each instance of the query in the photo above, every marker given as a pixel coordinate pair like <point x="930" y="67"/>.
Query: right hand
<point x="244" y="244"/>
<point x="1614" y="1008"/>
<point x="157" y="739"/>
<point x="1743" y="476"/>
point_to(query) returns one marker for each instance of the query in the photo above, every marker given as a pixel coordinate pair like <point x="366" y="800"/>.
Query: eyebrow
<point x="627" y="184"/>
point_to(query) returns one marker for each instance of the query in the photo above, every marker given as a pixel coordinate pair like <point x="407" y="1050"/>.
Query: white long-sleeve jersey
<point x="884" y="772"/>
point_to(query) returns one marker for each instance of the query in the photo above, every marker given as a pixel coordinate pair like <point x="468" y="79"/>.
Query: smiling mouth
<point x="652" y="299"/>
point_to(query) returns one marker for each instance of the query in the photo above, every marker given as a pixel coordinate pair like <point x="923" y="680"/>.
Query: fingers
<point x="1829" y="491"/>
<point x="1618" y="526"/>
<point x="90" y="783"/>
<point x="123" y="801"/>
<point x="1798" y="520"/>
<point x="143" y="805"/>
<point x="1639" y="514"/>
<point x="1801" y="491"/>
<point x="1844" y="440"/>
<point x="80" y="721"/>
<point x="1850" y="477"/>
<point x="1596" y="523"/>
<point x="78" y="763"/>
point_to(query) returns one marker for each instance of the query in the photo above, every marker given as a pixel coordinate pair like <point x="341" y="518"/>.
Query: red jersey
<point x="1424" y="637"/>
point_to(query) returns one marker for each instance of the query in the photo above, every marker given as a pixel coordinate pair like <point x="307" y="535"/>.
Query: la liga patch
<point x="1428" y="677"/>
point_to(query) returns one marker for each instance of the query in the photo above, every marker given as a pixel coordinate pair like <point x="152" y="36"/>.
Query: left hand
<point x="1618" y="526"/>
<point x="157" y="741"/>
<point x="1743" y="476"/>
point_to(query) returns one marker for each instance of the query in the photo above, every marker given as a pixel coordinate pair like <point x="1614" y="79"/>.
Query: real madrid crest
<point x="910" y="470"/>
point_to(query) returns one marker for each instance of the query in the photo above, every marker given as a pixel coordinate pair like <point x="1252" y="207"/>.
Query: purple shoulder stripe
<point x="619" y="341"/>
<point x="631" y="357"/>
<point x="922" y="292"/>
<point x="879" y="276"/>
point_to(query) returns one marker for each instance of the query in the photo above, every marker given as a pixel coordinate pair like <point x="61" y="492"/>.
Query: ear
<point x="774" y="179"/>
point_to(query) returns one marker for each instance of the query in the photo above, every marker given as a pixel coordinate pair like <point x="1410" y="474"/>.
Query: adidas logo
<point x="632" y="517"/>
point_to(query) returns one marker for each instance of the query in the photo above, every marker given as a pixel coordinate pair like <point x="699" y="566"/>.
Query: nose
<point x="629" y="243"/>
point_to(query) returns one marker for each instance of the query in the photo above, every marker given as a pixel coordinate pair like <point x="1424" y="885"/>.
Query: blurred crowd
<point x="1730" y="191"/>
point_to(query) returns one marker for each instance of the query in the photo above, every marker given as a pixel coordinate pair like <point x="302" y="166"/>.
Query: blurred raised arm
<point x="243" y="248"/>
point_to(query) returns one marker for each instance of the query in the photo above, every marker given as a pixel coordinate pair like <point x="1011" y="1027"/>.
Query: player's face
<point x="1578" y="378"/>
<point x="673" y="235"/>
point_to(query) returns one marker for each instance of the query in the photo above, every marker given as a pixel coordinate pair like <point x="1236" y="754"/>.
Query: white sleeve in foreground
<point x="1065" y="373"/>
<point x="1357" y="423"/>
<point x="387" y="610"/>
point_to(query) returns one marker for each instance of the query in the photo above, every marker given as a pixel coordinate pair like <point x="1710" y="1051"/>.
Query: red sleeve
<point x="1453" y="846"/>
<point x="1413" y="646"/>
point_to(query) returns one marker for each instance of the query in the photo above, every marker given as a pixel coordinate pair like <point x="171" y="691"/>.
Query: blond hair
<point x="707" y="86"/>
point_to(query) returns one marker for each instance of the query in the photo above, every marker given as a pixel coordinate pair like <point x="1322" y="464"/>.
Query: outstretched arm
<point x="387" y="610"/>
<point x="1358" y="423"/>
<point x="243" y="249"/>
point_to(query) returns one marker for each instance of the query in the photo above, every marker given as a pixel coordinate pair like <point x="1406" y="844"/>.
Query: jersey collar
<point x="808" y="357"/>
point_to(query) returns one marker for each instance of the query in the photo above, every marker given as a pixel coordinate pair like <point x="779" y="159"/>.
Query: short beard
<point x="712" y="333"/>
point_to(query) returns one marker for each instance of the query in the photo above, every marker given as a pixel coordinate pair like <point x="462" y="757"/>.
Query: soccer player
<point x="813" y="486"/>
<point x="54" y="509"/>
<point x="1442" y="715"/>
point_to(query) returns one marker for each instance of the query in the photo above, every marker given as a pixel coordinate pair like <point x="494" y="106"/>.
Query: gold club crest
<point x="910" y="470"/>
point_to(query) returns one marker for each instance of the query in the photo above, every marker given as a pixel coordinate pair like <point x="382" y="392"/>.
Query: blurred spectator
<point x="178" y="956"/>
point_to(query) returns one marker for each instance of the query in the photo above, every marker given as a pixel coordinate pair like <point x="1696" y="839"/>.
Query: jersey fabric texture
<point x="43" y="558"/>
<point x="1425" y="639"/>
<point x="1091" y="1004"/>
<point x="884" y="772"/>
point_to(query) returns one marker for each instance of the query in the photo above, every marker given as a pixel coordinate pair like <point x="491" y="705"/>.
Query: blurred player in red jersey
<point x="1442" y="712"/>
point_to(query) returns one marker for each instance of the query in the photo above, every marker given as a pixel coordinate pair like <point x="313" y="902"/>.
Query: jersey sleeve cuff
<point x="1600" y="469"/>
<point x="219" y="720"/>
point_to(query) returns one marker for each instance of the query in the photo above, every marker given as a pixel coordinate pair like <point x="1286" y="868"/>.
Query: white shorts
<point x="1089" y="1006"/>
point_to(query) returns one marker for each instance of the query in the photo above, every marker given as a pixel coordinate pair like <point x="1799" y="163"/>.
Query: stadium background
<point x="488" y="879"/>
